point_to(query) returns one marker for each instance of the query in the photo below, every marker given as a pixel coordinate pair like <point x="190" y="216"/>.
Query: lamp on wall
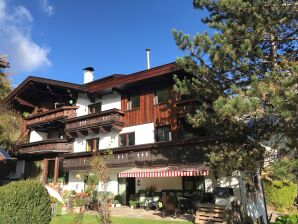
<point x="139" y="182"/>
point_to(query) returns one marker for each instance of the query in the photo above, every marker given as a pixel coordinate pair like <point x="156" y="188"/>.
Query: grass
<point x="92" y="219"/>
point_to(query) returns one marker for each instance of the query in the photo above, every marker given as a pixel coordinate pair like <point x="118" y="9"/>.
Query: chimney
<point x="148" y="58"/>
<point x="88" y="74"/>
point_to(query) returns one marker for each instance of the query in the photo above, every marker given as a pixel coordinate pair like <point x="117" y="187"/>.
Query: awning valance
<point x="167" y="171"/>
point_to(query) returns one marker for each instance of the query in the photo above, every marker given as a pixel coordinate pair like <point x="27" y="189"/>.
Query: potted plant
<point x="132" y="204"/>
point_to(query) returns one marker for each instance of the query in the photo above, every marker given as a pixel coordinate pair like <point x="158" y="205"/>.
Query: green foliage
<point x="99" y="167"/>
<point x="245" y="77"/>
<point x="284" y="169"/>
<point x="5" y="85"/>
<point x="53" y="200"/>
<point x="24" y="202"/>
<point x="280" y="194"/>
<point x="132" y="203"/>
<point x="287" y="219"/>
<point x="10" y="128"/>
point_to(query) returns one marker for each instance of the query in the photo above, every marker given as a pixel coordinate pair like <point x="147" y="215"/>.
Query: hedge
<point x="24" y="202"/>
<point x="280" y="194"/>
<point x="287" y="219"/>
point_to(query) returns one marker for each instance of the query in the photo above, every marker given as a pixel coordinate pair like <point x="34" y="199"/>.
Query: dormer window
<point x="133" y="102"/>
<point x="94" y="108"/>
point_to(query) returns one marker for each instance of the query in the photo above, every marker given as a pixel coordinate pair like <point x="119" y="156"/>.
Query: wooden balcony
<point x="92" y="123"/>
<point x="186" y="106"/>
<point x="140" y="155"/>
<point x="48" y="117"/>
<point x="46" y="146"/>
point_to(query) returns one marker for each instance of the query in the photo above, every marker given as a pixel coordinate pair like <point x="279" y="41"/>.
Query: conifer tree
<point x="245" y="75"/>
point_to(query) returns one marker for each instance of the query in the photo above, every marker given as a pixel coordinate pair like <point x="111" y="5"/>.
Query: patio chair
<point x="169" y="206"/>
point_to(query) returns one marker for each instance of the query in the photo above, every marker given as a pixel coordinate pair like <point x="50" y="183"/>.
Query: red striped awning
<point x="167" y="171"/>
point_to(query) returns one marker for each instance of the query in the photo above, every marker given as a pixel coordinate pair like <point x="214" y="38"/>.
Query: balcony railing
<point x="49" y="145"/>
<point x="141" y="155"/>
<point x="186" y="106"/>
<point x="113" y="117"/>
<point x="51" y="115"/>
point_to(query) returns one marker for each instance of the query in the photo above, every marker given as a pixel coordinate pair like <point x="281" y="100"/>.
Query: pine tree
<point x="10" y="120"/>
<point x="245" y="76"/>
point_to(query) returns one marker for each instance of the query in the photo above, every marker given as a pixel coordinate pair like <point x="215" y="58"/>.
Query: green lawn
<point x="92" y="219"/>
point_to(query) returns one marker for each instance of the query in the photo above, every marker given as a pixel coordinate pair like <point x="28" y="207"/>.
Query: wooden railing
<point x="113" y="116"/>
<point x="51" y="115"/>
<point x="186" y="106"/>
<point x="49" y="145"/>
<point x="142" y="155"/>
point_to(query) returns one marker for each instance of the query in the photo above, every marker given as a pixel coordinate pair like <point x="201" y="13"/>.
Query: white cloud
<point x="15" y="40"/>
<point x="46" y="7"/>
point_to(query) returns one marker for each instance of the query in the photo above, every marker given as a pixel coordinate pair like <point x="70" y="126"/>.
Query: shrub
<point x="280" y="194"/>
<point x="287" y="219"/>
<point x="24" y="202"/>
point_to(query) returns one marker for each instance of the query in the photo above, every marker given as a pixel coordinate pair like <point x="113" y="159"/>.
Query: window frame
<point x="127" y="139"/>
<point x="94" y="141"/>
<point x="157" y="136"/>
<point x="91" y="105"/>
<point x="129" y="102"/>
<point x="156" y="99"/>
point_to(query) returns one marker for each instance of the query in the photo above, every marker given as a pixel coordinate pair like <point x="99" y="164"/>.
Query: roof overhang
<point x="49" y="82"/>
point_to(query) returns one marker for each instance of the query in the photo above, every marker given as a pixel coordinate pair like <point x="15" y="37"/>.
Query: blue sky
<point x="57" y="38"/>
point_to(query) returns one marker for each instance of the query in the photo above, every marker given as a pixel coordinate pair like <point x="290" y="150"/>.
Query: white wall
<point x="111" y="101"/>
<point x="36" y="136"/>
<point x="160" y="183"/>
<point x="144" y="133"/>
<point x="108" y="102"/>
<point x="74" y="182"/>
<point x="106" y="140"/>
<point x="78" y="185"/>
<point x="83" y="102"/>
<point x="223" y="181"/>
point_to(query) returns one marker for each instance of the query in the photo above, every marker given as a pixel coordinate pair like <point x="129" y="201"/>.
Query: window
<point x="92" y="144"/>
<point x="94" y="108"/>
<point x="133" y="102"/>
<point x="161" y="96"/>
<point x="163" y="134"/>
<point x="127" y="139"/>
<point x="193" y="183"/>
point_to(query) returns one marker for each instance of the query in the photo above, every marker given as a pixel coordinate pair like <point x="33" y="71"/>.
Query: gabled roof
<point x="33" y="79"/>
<point x="102" y="84"/>
<point x="107" y="82"/>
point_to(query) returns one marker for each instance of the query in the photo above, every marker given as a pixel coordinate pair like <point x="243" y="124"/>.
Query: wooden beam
<point x="93" y="130"/>
<point x="56" y="170"/>
<point x="24" y="102"/>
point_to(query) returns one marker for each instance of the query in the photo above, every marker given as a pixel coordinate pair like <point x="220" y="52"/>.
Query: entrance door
<point x="130" y="188"/>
